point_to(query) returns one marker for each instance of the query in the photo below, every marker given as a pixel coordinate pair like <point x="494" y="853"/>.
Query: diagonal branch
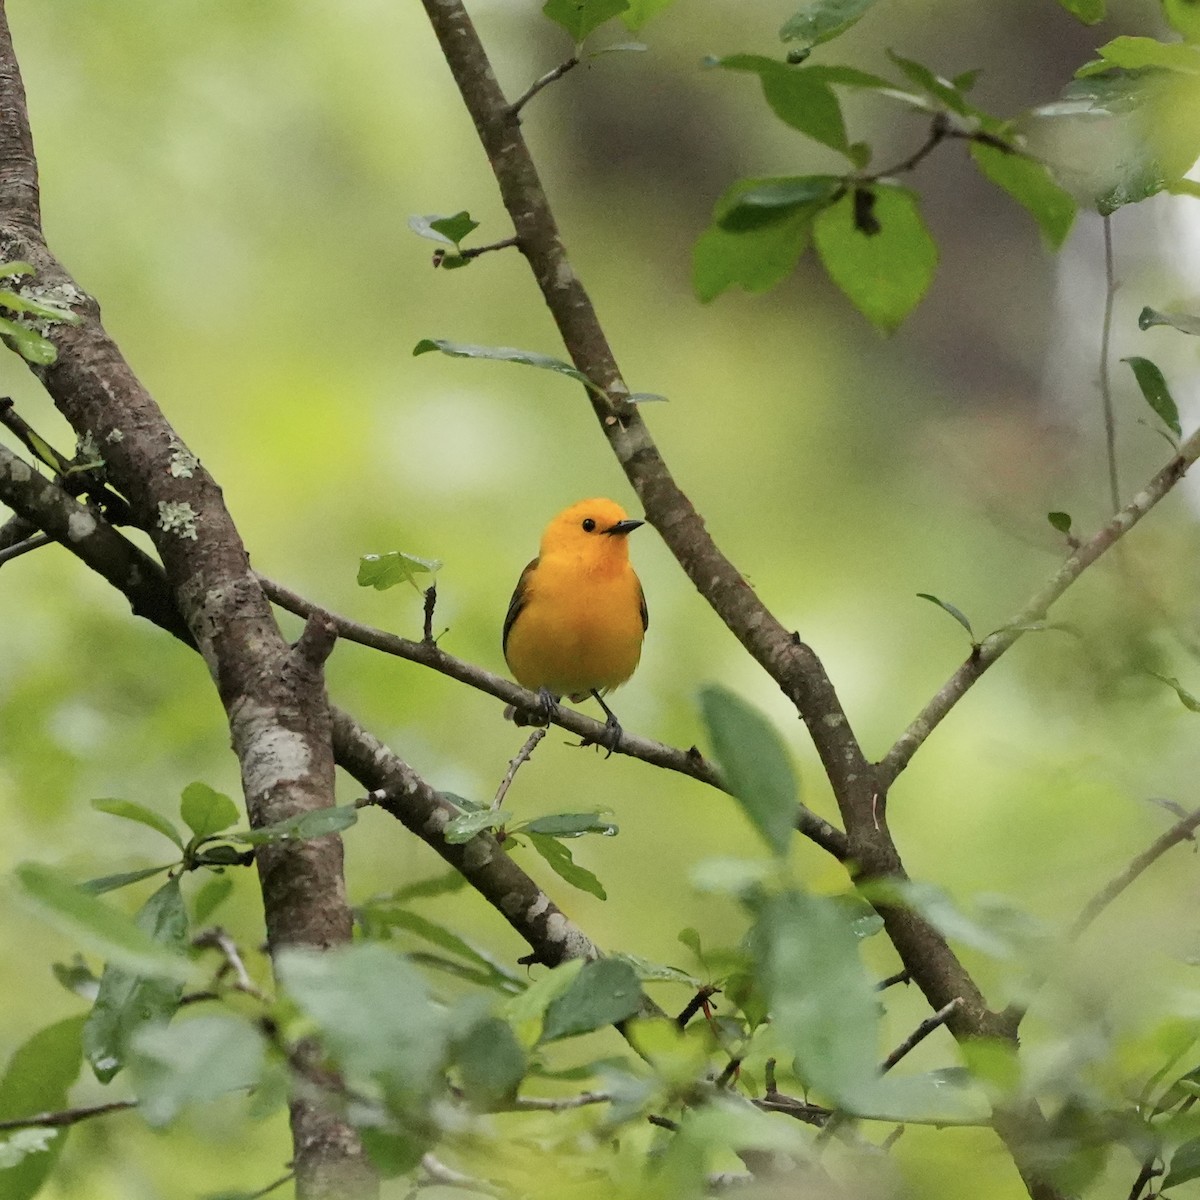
<point x="995" y="644"/>
<point x="427" y="653"/>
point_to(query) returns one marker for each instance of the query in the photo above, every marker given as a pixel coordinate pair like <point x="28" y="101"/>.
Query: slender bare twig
<point x="67" y="1116"/>
<point x="1181" y="831"/>
<point x="522" y="756"/>
<point x="218" y="939"/>
<point x="903" y="977"/>
<point x="536" y="86"/>
<point x="503" y="244"/>
<point x="30" y="543"/>
<point x="437" y="1174"/>
<point x="1034" y="612"/>
<point x="919" y="1034"/>
<point x="427" y="608"/>
<point x="558" y="1103"/>
<point x="1110" y="425"/>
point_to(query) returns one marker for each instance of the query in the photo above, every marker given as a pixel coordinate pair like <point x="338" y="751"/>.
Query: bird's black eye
<point x="588" y="525"/>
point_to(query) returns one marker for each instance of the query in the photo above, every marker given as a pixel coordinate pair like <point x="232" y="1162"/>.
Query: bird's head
<point x="595" y="529"/>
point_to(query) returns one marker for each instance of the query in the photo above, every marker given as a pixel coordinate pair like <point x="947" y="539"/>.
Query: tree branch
<point x="65" y="1117"/>
<point x="428" y="654"/>
<point x="279" y="720"/>
<point x="995" y="644"/>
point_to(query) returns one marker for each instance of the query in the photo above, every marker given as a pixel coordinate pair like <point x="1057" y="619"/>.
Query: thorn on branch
<point x="514" y="109"/>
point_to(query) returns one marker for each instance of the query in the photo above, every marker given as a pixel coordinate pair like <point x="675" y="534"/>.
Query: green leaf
<point x="193" y="1062"/>
<point x="435" y="885"/>
<point x="533" y="1002"/>
<point x="638" y="12"/>
<point x="110" y="883"/>
<point x="564" y="865"/>
<point x="15" y="270"/>
<point x="1088" y="11"/>
<point x="604" y="992"/>
<point x="1184" y="322"/>
<point x="580" y="17"/>
<point x="756" y="765"/>
<point x="300" y="828"/>
<point x="29" y="345"/>
<point x="100" y="928"/>
<point x="37" y="1079"/>
<point x="131" y="810"/>
<point x="1185" y="1165"/>
<point x="439" y="935"/>
<point x="1157" y="394"/>
<point x="652" y="972"/>
<point x="772" y="200"/>
<point x="883" y="274"/>
<point x="447" y="230"/>
<point x="1184" y="16"/>
<point x="77" y="977"/>
<point x="756" y="258"/>
<point x="383" y="571"/>
<point x="1060" y="520"/>
<point x="375" y="1016"/>
<point x="528" y="358"/>
<point x="942" y="90"/>
<point x="956" y="613"/>
<point x="1030" y="184"/>
<point x="562" y="825"/>
<point x="822" y="1001"/>
<point x="491" y="1063"/>
<point x="36" y="308"/>
<point x="466" y="825"/>
<point x="128" y="1001"/>
<point x="798" y="98"/>
<point x="1136" y="53"/>
<point x="206" y="811"/>
<point x="821" y="21"/>
<point x="1190" y="702"/>
<point x="936" y="906"/>
<point x="214" y="893"/>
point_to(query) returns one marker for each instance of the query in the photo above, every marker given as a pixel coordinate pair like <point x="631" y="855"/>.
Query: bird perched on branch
<point x="575" y="622"/>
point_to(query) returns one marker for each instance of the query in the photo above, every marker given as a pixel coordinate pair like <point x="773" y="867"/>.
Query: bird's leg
<point x="547" y="703"/>
<point x="612" y="727"/>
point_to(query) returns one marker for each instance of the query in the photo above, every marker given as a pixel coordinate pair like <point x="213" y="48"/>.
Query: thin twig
<point x="30" y="543"/>
<point x="428" y="607"/>
<point x="437" y="1174"/>
<point x="218" y="939"/>
<point x="503" y="244"/>
<point x="558" y="1103"/>
<point x="522" y="756"/>
<point x="903" y="977"/>
<point x="995" y="644"/>
<point x="68" y="1116"/>
<point x="1110" y="425"/>
<point x="919" y="1034"/>
<point x="1181" y="831"/>
<point x="663" y="1122"/>
<point x="536" y="86"/>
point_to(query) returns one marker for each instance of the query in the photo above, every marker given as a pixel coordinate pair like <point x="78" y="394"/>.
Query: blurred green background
<point x="233" y="180"/>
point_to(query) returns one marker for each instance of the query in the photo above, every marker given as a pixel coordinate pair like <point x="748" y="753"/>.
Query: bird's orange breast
<point x="578" y="629"/>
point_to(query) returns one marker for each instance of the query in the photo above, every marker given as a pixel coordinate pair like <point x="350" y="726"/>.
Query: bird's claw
<point x="610" y="739"/>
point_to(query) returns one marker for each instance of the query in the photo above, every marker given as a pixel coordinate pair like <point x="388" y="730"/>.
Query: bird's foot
<point x="610" y="739"/>
<point x="541" y="714"/>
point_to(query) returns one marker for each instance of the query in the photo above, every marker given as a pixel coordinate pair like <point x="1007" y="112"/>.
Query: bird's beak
<point x="621" y="528"/>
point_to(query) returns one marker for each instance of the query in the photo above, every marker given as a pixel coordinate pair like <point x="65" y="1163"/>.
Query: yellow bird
<point x="575" y="622"/>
